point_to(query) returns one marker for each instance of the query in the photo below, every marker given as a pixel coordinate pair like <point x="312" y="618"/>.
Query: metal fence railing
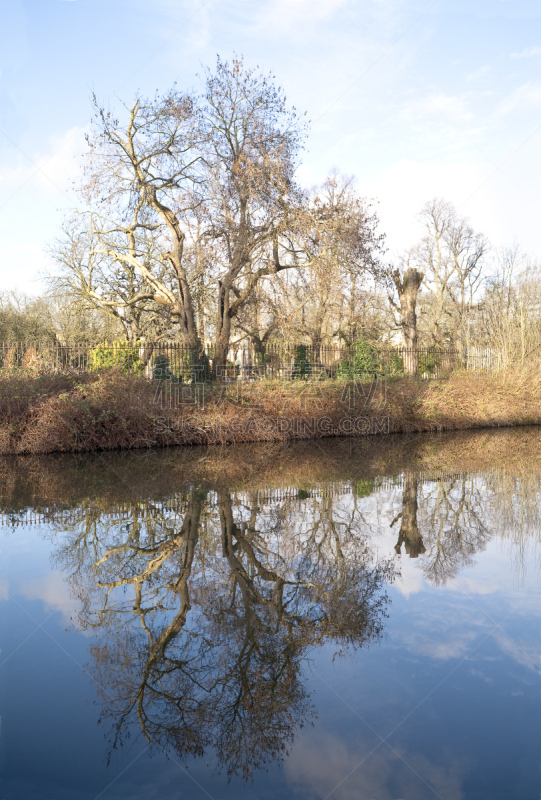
<point x="280" y="360"/>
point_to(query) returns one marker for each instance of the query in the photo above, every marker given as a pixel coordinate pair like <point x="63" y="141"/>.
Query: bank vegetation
<point x="111" y="410"/>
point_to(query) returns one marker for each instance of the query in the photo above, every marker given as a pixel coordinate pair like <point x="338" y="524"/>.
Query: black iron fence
<point x="279" y="361"/>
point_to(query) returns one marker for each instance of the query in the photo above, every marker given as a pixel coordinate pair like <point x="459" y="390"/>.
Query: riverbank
<point x="111" y="410"/>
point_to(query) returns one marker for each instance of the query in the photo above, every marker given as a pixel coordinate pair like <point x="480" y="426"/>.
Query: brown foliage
<point x="111" y="410"/>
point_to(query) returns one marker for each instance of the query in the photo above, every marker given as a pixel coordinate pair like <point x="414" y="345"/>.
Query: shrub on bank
<point x="119" y="355"/>
<point x="364" y="361"/>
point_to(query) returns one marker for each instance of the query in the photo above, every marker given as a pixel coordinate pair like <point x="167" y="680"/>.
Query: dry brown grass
<point x="111" y="410"/>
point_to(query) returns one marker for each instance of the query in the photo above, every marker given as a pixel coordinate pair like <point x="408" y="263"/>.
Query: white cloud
<point x="22" y="262"/>
<point x="453" y="106"/>
<point x="529" y="52"/>
<point x="322" y="764"/>
<point x="472" y="585"/>
<point x="525" y="653"/>
<point x="38" y="187"/>
<point x="473" y="76"/>
<point x="179" y="22"/>
<point x="523" y="100"/>
<point x="53" y="592"/>
<point x="411" y="580"/>
<point x="288" y="15"/>
<point x="503" y="209"/>
<point x="4" y="589"/>
<point x="456" y="644"/>
<point x="405" y="186"/>
<point x="50" y="171"/>
<point x="438" y="126"/>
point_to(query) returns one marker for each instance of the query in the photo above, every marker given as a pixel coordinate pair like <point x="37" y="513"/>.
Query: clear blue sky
<point x="416" y="98"/>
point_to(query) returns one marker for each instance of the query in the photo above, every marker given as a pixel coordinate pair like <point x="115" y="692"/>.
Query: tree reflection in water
<point x="207" y="605"/>
<point x="207" y="618"/>
<point x="409" y="529"/>
<point x="442" y="522"/>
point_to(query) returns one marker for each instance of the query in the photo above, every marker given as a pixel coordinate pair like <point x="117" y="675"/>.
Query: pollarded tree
<point x="407" y="281"/>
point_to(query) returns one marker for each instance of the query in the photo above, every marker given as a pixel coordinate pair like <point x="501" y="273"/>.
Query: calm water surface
<point x="332" y="619"/>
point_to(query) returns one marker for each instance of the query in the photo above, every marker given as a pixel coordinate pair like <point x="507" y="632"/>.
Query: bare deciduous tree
<point x="89" y="278"/>
<point x="251" y="141"/>
<point x="193" y="201"/>
<point x="140" y="178"/>
<point x="338" y="250"/>
<point x="451" y="257"/>
<point x="508" y="315"/>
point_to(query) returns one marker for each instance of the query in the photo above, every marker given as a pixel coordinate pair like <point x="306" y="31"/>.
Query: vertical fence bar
<point x="278" y="359"/>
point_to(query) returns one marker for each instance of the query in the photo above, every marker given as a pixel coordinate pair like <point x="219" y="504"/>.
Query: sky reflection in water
<point x="327" y="620"/>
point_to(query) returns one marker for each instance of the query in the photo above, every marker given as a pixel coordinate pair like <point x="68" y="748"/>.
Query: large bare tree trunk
<point x="223" y="331"/>
<point x="408" y="288"/>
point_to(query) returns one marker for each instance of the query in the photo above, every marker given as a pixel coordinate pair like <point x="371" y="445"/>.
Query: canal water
<point x="334" y="619"/>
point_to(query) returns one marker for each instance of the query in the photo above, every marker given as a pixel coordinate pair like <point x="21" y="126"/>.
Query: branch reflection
<point x="205" y="618"/>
